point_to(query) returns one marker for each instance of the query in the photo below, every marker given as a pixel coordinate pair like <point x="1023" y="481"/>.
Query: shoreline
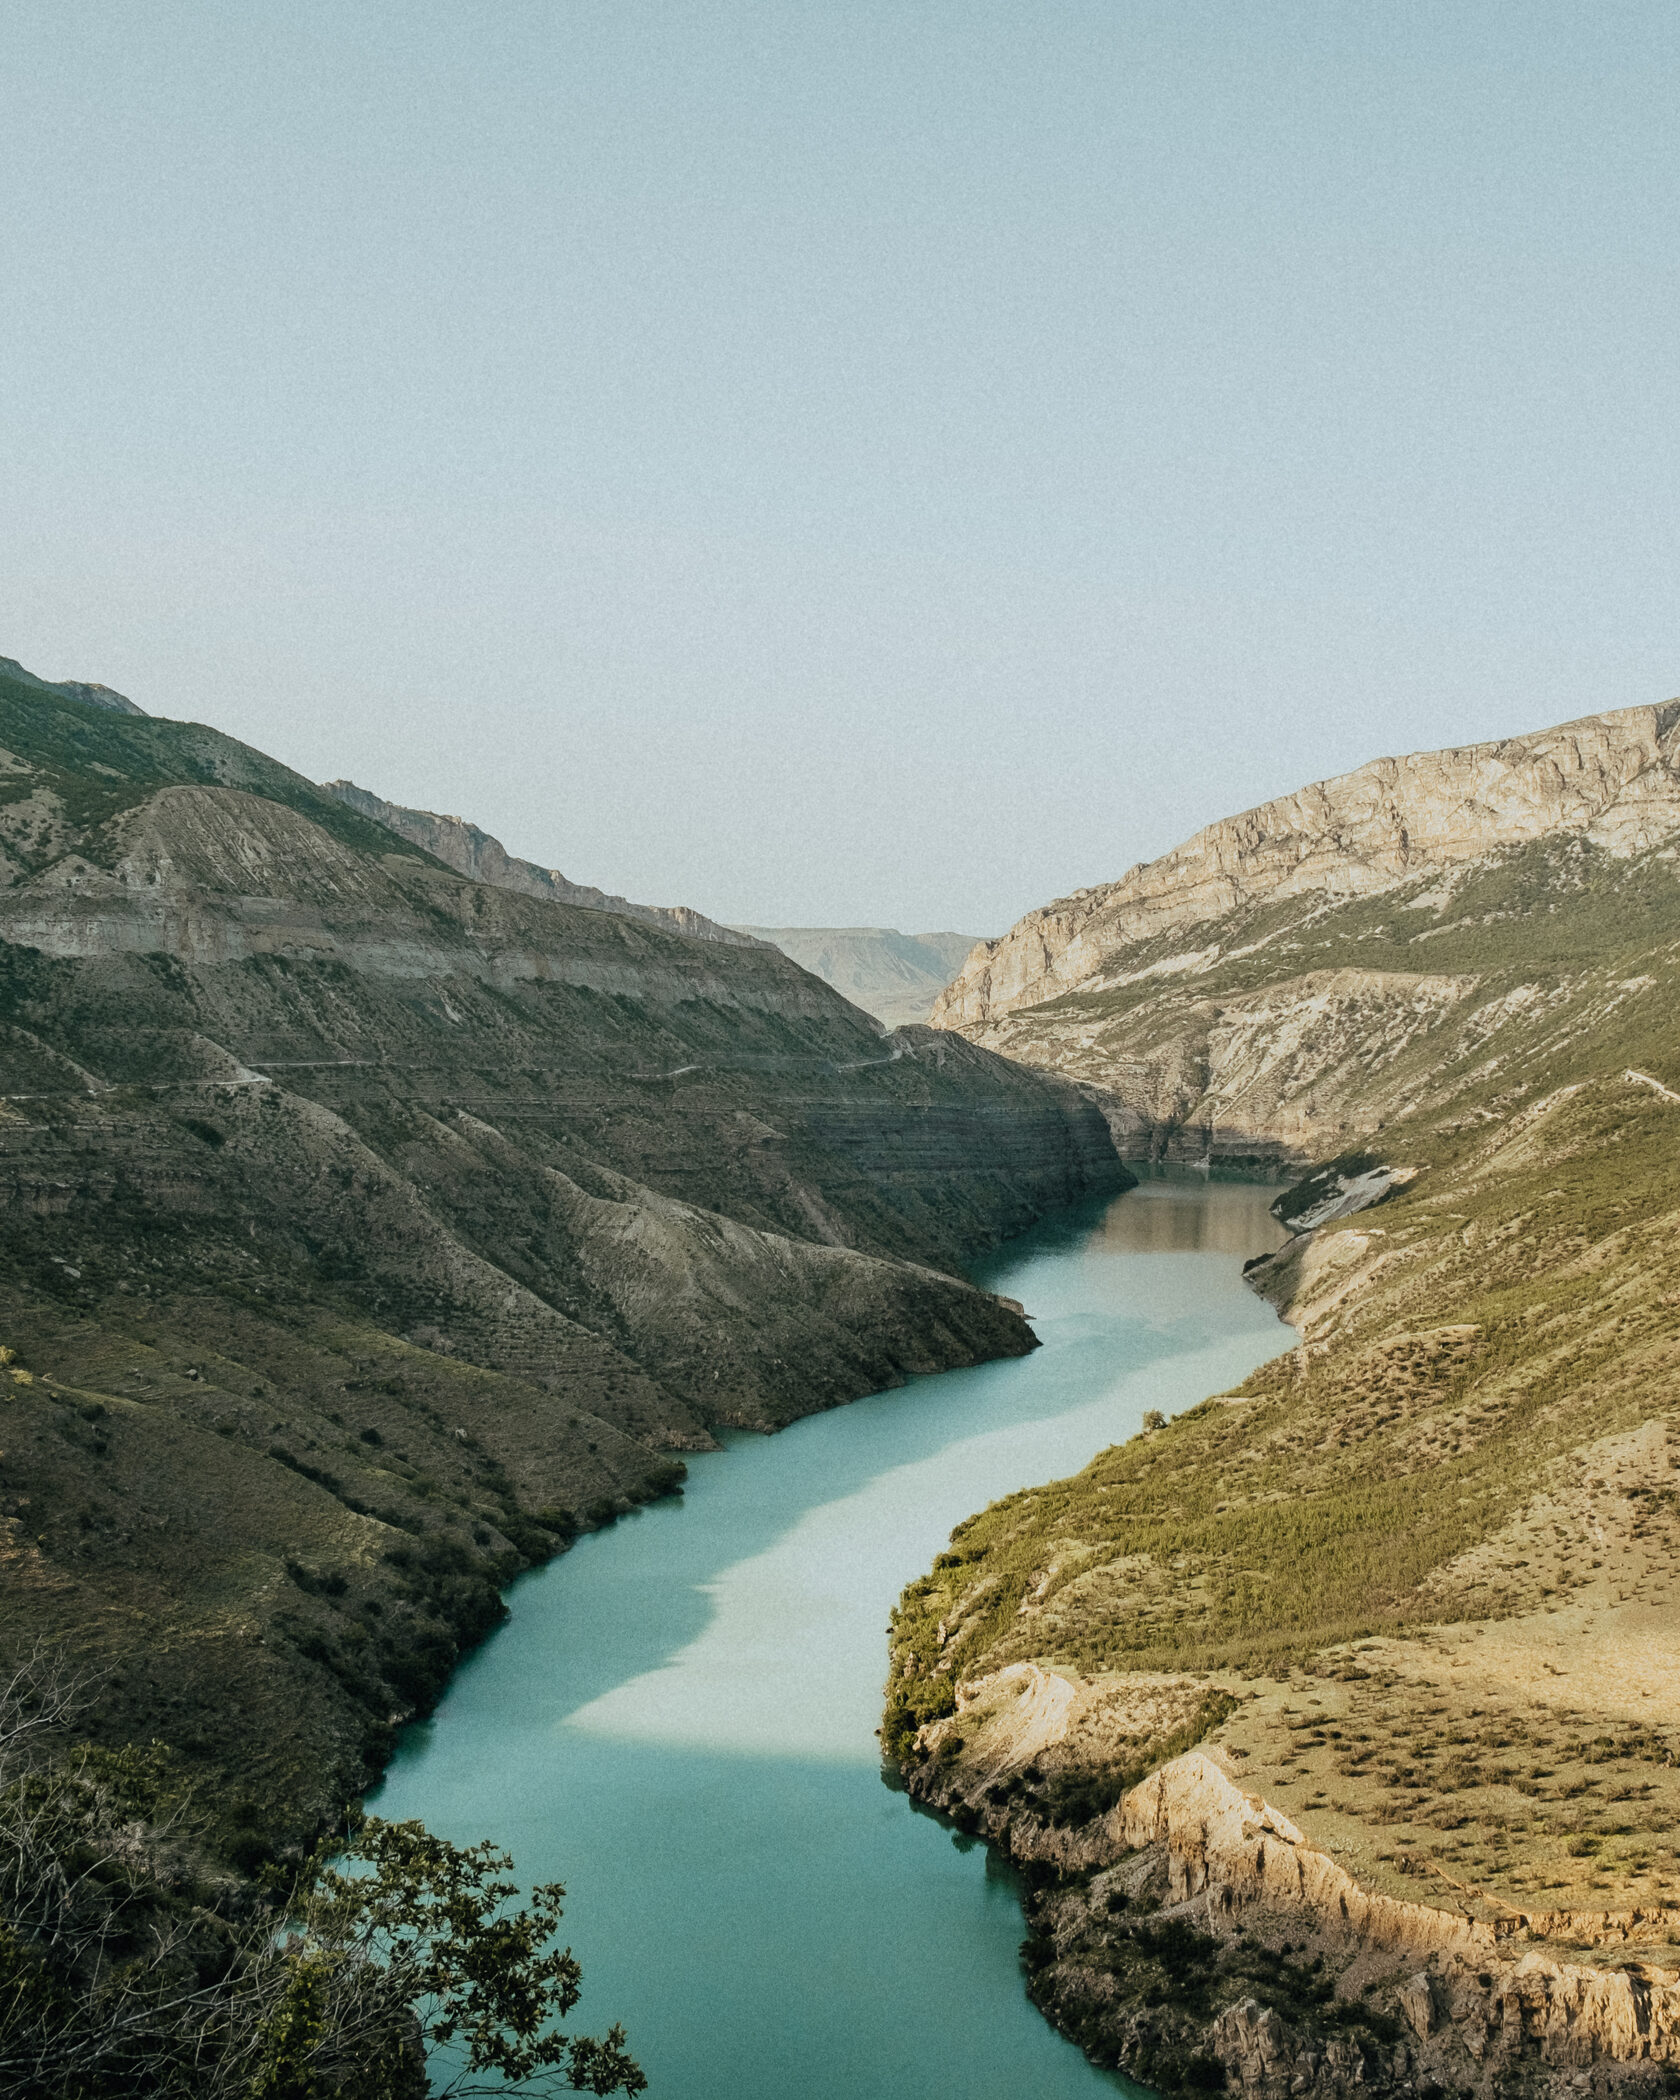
<point x="1203" y="1927"/>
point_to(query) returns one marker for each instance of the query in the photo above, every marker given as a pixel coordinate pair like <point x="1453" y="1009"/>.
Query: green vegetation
<point x="1501" y="1790"/>
<point x="1549" y="909"/>
<point x="1513" y="1308"/>
<point x="128" y="1964"/>
<point x="83" y="764"/>
<point x="1325" y="1027"/>
<point x="1430" y="1555"/>
<point x="1523" y="1313"/>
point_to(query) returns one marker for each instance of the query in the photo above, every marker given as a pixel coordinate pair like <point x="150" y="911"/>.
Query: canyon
<point x="372" y="1226"/>
<point x="381" y="1212"/>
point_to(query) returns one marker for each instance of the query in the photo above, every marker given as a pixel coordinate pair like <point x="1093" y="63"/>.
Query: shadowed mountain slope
<point x="367" y="1230"/>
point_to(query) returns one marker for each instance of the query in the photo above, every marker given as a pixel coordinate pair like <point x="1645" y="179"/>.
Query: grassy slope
<point x="1411" y="994"/>
<point x="90" y="764"/>
<point x="1468" y="1465"/>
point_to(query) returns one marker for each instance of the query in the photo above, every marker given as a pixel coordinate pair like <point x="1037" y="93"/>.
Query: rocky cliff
<point x="367" y="1230"/>
<point x="1195" y="1934"/>
<point x="1412" y="1586"/>
<point x="1283" y="983"/>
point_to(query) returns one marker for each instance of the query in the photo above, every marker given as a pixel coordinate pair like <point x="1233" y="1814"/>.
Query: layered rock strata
<point x="1190" y="1866"/>
<point x="1613" y="779"/>
<point x="368" y="1230"/>
<point x="1289" y="980"/>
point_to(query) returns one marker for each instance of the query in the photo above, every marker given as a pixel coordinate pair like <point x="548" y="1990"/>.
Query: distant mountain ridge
<point x="475" y="853"/>
<point x="894" y="976"/>
<point x="72" y="689"/>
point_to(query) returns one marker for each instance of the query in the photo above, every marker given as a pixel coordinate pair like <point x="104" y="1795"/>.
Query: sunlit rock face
<point x="1276" y="987"/>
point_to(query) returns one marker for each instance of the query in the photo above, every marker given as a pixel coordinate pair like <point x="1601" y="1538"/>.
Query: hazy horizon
<point x="848" y="466"/>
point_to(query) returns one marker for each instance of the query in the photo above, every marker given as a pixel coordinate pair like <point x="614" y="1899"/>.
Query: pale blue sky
<point x="840" y="463"/>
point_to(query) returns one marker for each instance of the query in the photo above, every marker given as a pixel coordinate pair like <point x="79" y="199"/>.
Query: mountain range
<point x="379" y="1211"/>
<point x="377" y="1215"/>
<point x="895" y="976"/>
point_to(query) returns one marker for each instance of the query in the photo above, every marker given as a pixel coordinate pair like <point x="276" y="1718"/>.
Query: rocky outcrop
<point x="473" y="852"/>
<point x="1293" y="980"/>
<point x="1612" y="778"/>
<point x="1193" y="1923"/>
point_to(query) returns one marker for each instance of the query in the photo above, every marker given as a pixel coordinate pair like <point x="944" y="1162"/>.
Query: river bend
<point x="678" y="1718"/>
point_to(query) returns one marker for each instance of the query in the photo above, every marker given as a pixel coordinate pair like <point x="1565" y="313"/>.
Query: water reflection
<point x="1181" y="1215"/>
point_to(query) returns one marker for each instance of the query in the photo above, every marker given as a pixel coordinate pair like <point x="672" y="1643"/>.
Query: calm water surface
<point x="678" y="1719"/>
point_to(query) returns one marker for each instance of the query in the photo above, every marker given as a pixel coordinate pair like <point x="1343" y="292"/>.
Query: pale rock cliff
<point x="1431" y="1996"/>
<point x="1614" y="778"/>
<point x="1292" y="979"/>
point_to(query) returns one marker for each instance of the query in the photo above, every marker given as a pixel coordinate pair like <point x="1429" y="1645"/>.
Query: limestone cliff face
<point x="1614" y="778"/>
<point x="1427" y="1996"/>
<point x="1292" y="979"/>
<point x="464" y="846"/>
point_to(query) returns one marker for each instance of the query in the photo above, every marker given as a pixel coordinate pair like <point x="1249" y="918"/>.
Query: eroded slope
<point x="1300" y="975"/>
<point x="367" y="1230"/>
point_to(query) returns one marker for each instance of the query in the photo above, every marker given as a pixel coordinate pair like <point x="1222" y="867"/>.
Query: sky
<point x="842" y="463"/>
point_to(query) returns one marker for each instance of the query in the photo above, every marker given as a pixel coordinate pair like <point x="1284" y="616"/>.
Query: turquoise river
<point x="678" y="1718"/>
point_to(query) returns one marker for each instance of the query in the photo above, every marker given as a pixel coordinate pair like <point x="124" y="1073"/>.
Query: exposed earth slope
<point x="1291" y="978"/>
<point x="1414" y="1587"/>
<point x="894" y="976"/>
<point x="367" y="1230"/>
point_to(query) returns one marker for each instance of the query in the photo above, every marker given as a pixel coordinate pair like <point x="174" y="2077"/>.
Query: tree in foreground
<point x="383" y="1964"/>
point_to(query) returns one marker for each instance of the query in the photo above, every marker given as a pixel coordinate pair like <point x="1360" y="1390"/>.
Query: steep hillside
<point x="1413" y="1587"/>
<point x="368" y="1230"/>
<point x="894" y="976"/>
<point x="470" y="851"/>
<point x="1292" y="978"/>
<point x="70" y="689"/>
